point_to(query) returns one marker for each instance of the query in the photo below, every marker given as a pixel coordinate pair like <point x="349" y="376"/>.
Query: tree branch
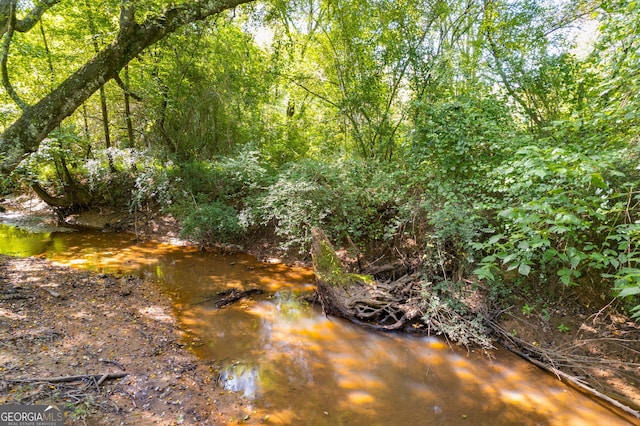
<point x="493" y="48"/>
<point x="37" y="121"/>
<point x="6" y="83"/>
<point x="29" y="21"/>
<point x="125" y="89"/>
<point x="127" y="17"/>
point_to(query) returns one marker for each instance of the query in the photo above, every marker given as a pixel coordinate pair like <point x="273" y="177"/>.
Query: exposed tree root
<point x="359" y="298"/>
<point x="393" y="304"/>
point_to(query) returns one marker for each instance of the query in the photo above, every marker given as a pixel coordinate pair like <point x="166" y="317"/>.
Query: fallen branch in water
<point x="576" y="382"/>
<point x="227" y="297"/>
<point x="546" y="358"/>
<point x="100" y="377"/>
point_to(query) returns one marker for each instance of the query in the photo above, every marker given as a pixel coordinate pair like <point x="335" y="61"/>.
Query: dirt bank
<point x="57" y="322"/>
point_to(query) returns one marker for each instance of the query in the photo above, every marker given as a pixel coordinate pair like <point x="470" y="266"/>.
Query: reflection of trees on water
<point x="240" y="377"/>
<point x="20" y="242"/>
<point x="301" y="367"/>
<point x="304" y="368"/>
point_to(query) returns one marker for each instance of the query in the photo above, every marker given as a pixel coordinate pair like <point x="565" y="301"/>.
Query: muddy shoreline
<point x="56" y="321"/>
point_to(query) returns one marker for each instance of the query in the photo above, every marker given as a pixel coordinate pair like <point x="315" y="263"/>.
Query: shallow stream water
<point x="297" y="366"/>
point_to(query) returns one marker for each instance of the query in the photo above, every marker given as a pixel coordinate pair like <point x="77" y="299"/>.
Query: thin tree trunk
<point x="103" y="96"/>
<point x="46" y="49"/>
<point x="31" y="17"/>
<point x="87" y="132"/>
<point x="127" y="110"/>
<point x="105" y="128"/>
<point x="6" y="83"/>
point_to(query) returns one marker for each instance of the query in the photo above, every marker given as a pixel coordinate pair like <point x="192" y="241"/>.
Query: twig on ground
<point x="111" y="361"/>
<point x="109" y="376"/>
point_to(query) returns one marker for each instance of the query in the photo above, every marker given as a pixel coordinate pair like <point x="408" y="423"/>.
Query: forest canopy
<point x="493" y="138"/>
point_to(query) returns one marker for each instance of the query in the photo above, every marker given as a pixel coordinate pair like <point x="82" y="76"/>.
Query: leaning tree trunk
<point x="359" y="298"/>
<point x="37" y="121"/>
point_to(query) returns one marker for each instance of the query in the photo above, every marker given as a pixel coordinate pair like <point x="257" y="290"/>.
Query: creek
<point x="297" y="366"/>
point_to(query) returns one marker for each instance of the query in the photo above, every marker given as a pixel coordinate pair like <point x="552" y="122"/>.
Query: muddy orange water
<point x="297" y="366"/>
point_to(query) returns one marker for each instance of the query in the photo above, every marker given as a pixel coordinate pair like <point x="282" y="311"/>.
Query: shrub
<point x="565" y="214"/>
<point x="298" y="200"/>
<point x="225" y="178"/>
<point x="347" y="199"/>
<point x="446" y="309"/>
<point x="212" y="222"/>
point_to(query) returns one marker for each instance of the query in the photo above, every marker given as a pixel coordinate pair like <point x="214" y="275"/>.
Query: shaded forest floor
<point x="56" y="321"/>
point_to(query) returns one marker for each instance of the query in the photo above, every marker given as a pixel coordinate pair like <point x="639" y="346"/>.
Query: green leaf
<point x="598" y="181"/>
<point x="488" y="259"/>
<point x="624" y="245"/>
<point x="484" y="273"/>
<point x="549" y="254"/>
<point x="559" y="229"/>
<point x="495" y="239"/>
<point x="629" y="291"/>
<point x="541" y="173"/>
<point x="575" y="260"/>
<point x="565" y="276"/>
<point x="622" y="257"/>
<point x="524" y="269"/>
<point x="596" y="257"/>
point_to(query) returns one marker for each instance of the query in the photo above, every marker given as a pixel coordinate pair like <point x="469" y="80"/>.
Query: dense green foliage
<point x="472" y="134"/>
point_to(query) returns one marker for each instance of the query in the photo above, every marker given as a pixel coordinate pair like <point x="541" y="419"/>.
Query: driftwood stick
<point x="236" y="296"/>
<point x="100" y="377"/>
